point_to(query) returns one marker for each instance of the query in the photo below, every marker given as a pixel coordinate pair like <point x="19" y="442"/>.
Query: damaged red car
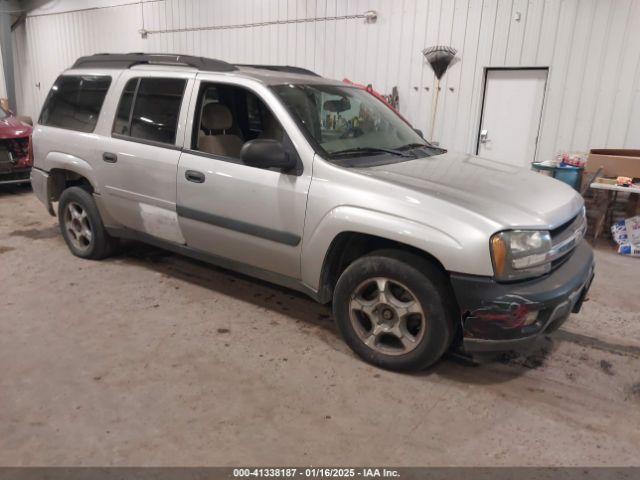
<point x="16" y="156"/>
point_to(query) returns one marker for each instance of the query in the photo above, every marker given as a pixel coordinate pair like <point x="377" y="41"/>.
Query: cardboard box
<point x="615" y="162"/>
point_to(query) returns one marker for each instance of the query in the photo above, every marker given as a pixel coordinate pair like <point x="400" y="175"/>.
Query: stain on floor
<point x="37" y="234"/>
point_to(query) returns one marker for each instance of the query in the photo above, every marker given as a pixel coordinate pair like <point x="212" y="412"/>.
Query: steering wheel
<point x="352" y="132"/>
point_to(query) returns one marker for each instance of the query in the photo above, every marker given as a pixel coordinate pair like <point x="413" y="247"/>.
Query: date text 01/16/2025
<point x="315" y="473"/>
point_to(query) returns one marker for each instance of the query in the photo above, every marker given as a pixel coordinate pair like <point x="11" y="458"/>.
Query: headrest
<point x="216" y="116"/>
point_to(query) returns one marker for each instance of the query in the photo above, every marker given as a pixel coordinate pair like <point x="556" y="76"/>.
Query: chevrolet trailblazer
<point x="316" y="185"/>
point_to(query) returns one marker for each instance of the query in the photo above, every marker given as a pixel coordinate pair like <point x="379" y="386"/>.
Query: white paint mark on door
<point x="161" y="223"/>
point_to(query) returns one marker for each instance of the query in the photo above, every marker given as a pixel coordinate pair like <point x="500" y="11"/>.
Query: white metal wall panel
<point x="591" y="47"/>
<point x="628" y="84"/>
<point x="556" y="82"/>
<point x="3" y="87"/>
<point x="610" y="70"/>
<point x="459" y="138"/>
<point x="492" y="30"/>
<point x="532" y="32"/>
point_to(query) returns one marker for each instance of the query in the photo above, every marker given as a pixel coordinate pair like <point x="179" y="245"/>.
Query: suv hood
<point x="505" y="194"/>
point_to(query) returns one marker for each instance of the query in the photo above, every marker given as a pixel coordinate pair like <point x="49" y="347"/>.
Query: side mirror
<point x="25" y="119"/>
<point x="263" y="153"/>
<point x="419" y="132"/>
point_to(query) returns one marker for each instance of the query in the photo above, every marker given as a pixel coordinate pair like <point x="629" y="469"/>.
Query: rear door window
<point x="74" y="102"/>
<point x="149" y="109"/>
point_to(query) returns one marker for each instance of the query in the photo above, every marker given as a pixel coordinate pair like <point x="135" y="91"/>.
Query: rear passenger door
<point x="140" y="159"/>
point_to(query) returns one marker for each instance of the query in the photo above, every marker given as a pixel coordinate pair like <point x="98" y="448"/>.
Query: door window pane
<point x="157" y="108"/>
<point x="229" y="117"/>
<point x="74" y="102"/>
<point x="121" y="124"/>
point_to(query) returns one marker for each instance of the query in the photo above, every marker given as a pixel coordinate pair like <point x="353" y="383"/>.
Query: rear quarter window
<point x="74" y="102"/>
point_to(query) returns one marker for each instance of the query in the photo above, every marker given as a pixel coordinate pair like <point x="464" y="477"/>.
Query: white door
<point x="511" y="115"/>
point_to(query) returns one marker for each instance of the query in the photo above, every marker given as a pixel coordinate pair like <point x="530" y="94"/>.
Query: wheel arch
<point x="348" y="246"/>
<point x="68" y="170"/>
<point x="349" y="227"/>
<point x="61" y="179"/>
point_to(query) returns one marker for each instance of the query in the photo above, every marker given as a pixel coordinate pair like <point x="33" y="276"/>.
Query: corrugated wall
<point x="592" y="48"/>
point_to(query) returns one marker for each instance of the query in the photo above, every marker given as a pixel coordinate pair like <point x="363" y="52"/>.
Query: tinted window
<point x="74" y="102"/>
<point x="121" y="124"/>
<point x="156" y="109"/>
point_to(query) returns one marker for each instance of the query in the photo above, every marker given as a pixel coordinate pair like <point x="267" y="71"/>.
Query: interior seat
<point x="217" y="117"/>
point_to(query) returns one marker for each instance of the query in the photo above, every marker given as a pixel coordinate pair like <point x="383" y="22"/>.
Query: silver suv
<point x="319" y="186"/>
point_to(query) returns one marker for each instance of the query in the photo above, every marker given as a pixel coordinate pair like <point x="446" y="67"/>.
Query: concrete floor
<point x="153" y="359"/>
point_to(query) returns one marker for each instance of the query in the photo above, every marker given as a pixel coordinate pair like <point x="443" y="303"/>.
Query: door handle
<point x="109" y="157"/>
<point x="194" y="176"/>
<point x="483" y="136"/>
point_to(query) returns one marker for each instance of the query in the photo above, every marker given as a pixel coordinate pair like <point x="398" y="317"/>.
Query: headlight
<point x="518" y="254"/>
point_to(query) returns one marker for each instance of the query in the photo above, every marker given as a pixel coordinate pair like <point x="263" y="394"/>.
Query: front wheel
<point x="394" y="309"/>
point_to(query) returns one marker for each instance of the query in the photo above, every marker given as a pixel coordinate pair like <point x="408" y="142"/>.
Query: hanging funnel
<point x="439" y="57"/>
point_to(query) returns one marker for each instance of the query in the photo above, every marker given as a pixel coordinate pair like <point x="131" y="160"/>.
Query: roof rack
<point x="282" y="68"/>
<point x="128" y="60"/>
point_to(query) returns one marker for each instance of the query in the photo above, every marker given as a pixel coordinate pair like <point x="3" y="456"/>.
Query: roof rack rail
<point x="128" y="60"/>
<point x="281" y="68"/>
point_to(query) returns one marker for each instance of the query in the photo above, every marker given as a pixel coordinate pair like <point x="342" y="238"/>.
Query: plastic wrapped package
<point x="626" y="233"/>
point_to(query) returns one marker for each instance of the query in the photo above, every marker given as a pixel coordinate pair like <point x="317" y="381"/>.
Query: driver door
<point x="245" y="214"/>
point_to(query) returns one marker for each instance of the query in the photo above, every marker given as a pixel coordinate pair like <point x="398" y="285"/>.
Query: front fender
<point x="342" y="219"/>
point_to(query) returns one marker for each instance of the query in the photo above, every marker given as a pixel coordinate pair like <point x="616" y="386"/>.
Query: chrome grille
<point x="565" y="238"/>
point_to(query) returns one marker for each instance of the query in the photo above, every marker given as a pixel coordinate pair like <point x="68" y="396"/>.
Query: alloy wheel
<point x="78" y="226"/>
<point x="387" y="316"/>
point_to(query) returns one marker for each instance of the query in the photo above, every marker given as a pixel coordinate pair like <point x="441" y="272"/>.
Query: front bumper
<point x="15" y="176"/>
<point x="502" y="316"/>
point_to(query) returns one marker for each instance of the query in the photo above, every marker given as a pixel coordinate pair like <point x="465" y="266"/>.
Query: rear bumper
<point x="40" y="186"/>
<point x="501" y="317"/>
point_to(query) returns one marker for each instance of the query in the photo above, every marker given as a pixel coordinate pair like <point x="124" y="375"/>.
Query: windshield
<point x="345" y="120"/>
<point x="3" y="114"/>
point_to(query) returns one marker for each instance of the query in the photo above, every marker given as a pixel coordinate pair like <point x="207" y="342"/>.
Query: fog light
<point x="531" y="317"/>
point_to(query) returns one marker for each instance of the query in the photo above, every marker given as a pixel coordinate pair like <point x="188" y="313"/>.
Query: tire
<point x="411" y="325"/>
<point x="82" y="227"/>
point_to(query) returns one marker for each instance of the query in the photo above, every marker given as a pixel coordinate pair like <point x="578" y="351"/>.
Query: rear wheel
<point x="82" y="226"/>
<point x="394" y="310"/>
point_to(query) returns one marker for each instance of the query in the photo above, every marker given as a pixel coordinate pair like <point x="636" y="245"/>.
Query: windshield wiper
<point x="348" y="151"/>
<point x="411" y="146"/>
